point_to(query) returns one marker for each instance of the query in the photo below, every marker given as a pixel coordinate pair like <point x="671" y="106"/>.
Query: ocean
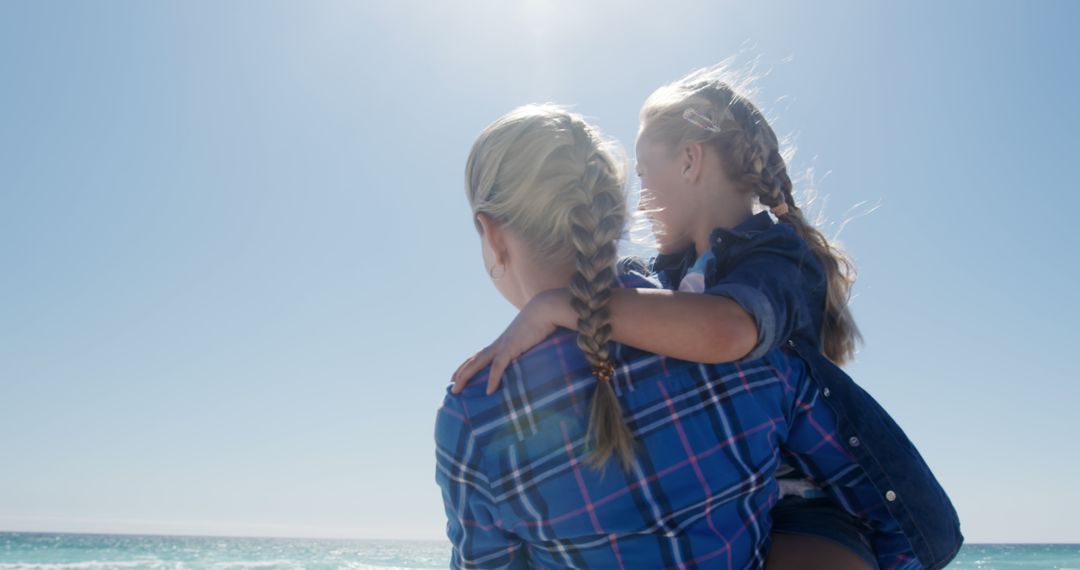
<point x="47" y="551"/>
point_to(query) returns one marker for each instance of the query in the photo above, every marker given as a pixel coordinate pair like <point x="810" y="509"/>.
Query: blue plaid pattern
<point x="518" y="493"/>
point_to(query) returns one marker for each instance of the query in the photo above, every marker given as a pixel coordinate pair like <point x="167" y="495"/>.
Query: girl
<point x="707" y="157"/>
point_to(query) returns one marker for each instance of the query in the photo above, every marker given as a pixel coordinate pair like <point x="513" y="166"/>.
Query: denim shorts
<point x="823" y="518"/>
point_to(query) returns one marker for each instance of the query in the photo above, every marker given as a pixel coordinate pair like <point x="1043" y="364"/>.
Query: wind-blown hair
<point x="707" y="107"/>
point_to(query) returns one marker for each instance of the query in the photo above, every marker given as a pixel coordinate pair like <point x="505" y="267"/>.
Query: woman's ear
<point x="492" y="234"/>
<point x="691" y="157"/>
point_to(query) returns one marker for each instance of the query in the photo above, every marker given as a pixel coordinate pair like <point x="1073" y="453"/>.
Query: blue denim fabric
<point x="771" y="272"/>
<point x="768" y="270"/>
<point x="914" y="497"/>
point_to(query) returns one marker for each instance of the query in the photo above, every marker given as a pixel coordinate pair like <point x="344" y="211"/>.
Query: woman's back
<point x="513" y="469"/>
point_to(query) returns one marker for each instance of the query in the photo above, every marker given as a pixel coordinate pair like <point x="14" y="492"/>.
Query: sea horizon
<point x="387" y="539"/>
<point x="78" y="550"/>
<point x="237" y="536"/>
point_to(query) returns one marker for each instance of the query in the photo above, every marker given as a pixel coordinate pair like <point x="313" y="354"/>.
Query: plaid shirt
<point x="518" y="493"/>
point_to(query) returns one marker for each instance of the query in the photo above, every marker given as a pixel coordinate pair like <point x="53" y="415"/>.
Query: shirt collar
<point x="677" y="263"/>
<point x="746" y="229"/>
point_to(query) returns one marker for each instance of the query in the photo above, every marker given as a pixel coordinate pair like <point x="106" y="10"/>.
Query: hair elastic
<point x="604" y="372"/>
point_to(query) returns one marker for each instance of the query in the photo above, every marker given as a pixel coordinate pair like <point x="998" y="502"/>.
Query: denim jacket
<point x="773" y="275"/>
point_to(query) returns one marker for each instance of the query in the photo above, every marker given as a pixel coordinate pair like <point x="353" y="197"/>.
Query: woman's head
<point x="703" y="116"/>
<point x="531" y="176"/>
<point x="543" y="181"/>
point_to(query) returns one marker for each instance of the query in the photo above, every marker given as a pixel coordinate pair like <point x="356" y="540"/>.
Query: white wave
<point x="359" y="566"/>
<point x="237" y="564"/>
<point x="155" y="564"/>
<point x="148" y="564"/>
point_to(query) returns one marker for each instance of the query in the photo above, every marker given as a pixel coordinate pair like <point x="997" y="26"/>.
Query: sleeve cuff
<point x="757" y="304"/>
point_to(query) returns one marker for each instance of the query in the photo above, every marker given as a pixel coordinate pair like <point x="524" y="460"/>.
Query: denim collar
<point x="670" y="267"/>
<point x="746" y="229"/>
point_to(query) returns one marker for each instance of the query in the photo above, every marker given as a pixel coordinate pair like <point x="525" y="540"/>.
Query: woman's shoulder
<point x="553" y="369"/>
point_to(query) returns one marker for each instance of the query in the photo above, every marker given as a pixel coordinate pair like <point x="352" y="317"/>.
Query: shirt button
<point x="825" y="392"/>
<point x="890" y="495"/>
<point x="854" y="441"/>
<point x="791" y="343"/>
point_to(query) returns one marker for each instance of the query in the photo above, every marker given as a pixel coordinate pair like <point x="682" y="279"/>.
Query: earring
<point x="491" y="271"/>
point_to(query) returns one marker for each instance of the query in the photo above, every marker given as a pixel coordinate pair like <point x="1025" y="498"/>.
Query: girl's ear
<point x="492" y="233"/>
<point x="691" y="161"/>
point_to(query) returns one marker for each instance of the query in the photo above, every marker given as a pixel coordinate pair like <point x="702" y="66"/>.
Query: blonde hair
<point x="545" y="174"/>
<point x="707" y="107"/>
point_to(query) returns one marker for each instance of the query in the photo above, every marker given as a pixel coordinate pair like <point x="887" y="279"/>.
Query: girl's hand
<point x="536" y="321"/>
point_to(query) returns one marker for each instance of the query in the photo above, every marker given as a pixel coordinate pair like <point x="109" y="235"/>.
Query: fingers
<point x="471" y="367"/>
<point x="457" y="372"/>
<point x="460" y="379"/>
<point x="495" y="355"/>
<point x="498" y="367"/>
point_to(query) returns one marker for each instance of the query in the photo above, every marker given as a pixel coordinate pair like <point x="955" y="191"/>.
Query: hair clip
<point x="699" y="120"/>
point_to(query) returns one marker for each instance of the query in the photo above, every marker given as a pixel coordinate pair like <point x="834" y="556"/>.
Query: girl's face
<point x="667" y="197"/>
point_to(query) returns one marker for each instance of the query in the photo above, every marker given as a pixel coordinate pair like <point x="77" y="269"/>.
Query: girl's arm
<point x="687" y="326"/>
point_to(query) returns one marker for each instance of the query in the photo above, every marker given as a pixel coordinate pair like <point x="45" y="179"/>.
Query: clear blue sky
<point x="237" y="267"/>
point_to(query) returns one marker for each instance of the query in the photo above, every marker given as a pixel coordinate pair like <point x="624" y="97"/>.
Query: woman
<point x="595" y="454"/>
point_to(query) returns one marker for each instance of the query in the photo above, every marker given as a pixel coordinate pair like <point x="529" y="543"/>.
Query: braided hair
<point x="548" y="176"/>
<point x="705" y="107"/>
